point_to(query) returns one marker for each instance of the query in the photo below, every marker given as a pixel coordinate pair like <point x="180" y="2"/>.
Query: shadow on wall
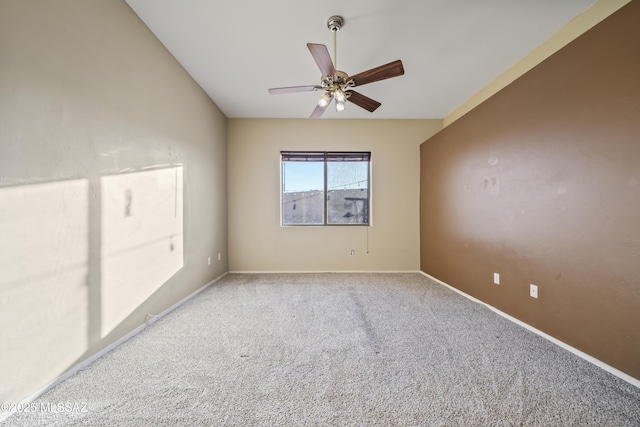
<point x="77" y="258"/>
<point x="142" y="245"/>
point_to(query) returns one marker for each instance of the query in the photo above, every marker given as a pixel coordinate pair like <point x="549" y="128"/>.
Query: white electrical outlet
<point x="209" y="261"/>
<point x="533" y="290"/>
<point x="496" y="278"/>
<point x="219" y="257"/>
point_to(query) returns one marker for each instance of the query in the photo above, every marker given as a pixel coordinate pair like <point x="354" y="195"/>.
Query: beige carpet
<point x="334" y="350"/>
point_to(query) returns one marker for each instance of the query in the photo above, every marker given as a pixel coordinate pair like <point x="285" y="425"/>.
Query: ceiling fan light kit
<point x="338" y="85"/>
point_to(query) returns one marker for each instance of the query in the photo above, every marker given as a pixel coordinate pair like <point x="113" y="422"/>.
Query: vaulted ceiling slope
<point x="236" y="50"/>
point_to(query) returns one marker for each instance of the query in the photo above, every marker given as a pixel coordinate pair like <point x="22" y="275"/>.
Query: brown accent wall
<point x="541" y="183"/>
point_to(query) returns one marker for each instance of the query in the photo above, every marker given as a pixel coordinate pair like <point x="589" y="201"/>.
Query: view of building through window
<point x="325" y="188"/>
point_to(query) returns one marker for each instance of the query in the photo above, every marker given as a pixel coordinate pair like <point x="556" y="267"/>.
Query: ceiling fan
<point x="338" y="85"/>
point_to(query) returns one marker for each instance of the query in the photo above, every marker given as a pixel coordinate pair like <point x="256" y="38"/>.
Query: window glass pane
<point x="348" y="192"/>
<point x="302" y="192"/>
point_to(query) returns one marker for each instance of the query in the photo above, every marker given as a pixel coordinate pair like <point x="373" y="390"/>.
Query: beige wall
<point x="112" y="184"/>
<point x="257" y="242"/>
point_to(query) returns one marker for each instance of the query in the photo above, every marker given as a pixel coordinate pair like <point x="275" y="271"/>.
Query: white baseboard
<point x="321" y="271"/>
<point x="73" y="370"/>
<point x="599" y="363"/>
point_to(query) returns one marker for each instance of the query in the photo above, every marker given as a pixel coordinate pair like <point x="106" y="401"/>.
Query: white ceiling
<point x="450" y="49"/>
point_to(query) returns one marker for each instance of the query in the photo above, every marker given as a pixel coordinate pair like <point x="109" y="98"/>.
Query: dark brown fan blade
<point x="292" y="89"/>
<point x="323" y="59"/>
<point x="387" y="71"/>
<point x="363" y="101"/>
<point x="317" y="113"/>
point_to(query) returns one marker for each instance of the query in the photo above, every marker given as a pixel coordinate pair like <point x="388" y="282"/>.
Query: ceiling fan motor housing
<point x="342" y="82"/>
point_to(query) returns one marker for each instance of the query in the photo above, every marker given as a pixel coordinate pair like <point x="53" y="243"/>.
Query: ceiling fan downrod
<point x="334" y="23"/>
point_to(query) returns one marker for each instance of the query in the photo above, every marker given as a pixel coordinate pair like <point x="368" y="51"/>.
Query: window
<point x="325" y="188"/>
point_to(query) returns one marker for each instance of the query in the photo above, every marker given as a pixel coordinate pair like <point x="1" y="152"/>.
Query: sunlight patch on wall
<point x="43" y="282"/>
<point x="142" y="238"/>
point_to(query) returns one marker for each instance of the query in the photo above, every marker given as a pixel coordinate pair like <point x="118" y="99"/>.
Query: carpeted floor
<point x="334" y="350"/>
